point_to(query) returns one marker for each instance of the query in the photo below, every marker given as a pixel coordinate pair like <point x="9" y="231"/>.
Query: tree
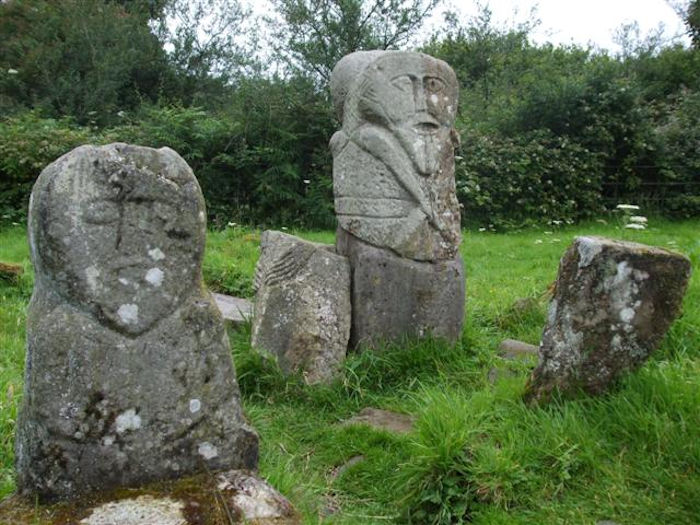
<point x="315" y="34"/>
<point x="89" y="59"/>
<point x="692" y="20"/>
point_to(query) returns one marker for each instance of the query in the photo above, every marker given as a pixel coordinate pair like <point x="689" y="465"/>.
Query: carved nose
<point x="420" y="99"/>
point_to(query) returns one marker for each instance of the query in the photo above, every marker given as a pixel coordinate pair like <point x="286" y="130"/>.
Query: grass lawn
<point x="632" y="456"/>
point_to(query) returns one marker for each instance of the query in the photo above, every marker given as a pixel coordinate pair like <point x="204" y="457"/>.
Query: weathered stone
<point x="393" y="297"/>
<point x="612" y="305"/>
<point x="383" y="420"/>
<point x="513" y="349"/>
<point x="302" y="305"/>
<point x="129" y="375"/>
<point x="234" y="496"/>
<point x="137" y="511"/>
<point x="393" y="159"/>
<point x="234" y="310"/>
<point x="255" y="500"/>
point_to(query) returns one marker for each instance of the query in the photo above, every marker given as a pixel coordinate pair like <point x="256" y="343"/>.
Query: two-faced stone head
<point x="119" y="231"/>
<point x="412" y="95"/>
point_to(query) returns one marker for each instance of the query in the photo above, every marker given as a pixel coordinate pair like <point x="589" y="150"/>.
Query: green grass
<point x="478" y="452"/>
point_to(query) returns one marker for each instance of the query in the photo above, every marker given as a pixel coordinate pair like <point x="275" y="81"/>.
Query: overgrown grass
<point x="477" y="453"/>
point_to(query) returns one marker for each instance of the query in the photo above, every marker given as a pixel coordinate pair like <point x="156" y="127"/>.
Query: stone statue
<point x="128" y="375"/>
<point x="394" y="185"/>
<point x="393" y="170"/>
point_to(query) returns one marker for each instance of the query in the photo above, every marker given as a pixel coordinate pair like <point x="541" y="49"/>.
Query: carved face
<point x="415" y="97"/>
<point x="122" y="238"/>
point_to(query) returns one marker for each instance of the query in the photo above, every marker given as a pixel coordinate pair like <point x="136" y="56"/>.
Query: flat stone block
<point x="394" y="297"/>
<point x="612" y="306"/>
<point x="383" y="420"/>
<point x="234" y="310"/>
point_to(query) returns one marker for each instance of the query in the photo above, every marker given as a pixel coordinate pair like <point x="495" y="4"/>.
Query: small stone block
<point x="234" y="310"/>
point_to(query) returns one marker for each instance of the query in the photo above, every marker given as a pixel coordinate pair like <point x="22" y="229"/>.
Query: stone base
<point x="234" y="496"/>
<point x="393" y="297"/>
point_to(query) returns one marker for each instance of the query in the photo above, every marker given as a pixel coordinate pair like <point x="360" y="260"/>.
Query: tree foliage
<point x="562" y="132"/>
<point x="316" y="34"/>
<point x="85" y="58"/>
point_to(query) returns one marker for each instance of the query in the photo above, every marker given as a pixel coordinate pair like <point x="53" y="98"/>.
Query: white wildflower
<point x="12" y="71"/>
<point x="538" y="241"/>
<point x="627" y="207"/>
<point x="306" y="181"/>
<point x="482" y="229"/>
<point x="231" y="224"/>
<point x="635" y="226"/>
<point x="638" y="219"/>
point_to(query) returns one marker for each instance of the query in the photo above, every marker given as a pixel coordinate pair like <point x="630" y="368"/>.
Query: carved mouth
<point x="426" y="127"/>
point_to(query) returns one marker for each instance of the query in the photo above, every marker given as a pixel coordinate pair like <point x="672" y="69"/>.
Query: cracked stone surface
<point x="613" y="303"/>
<point x="128" y="375"/>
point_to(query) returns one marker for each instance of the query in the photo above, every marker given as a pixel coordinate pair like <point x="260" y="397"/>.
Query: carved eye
<point x="101" y="212"/>
<point x="403" y="83"/>
<point x="433" y="85"/>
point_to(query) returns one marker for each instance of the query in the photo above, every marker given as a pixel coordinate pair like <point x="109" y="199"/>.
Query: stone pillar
<point x="128" y="375"/>
<point x="612" y="305"/>
<point x="394" y="188"/>
<point x="302" y="305"/>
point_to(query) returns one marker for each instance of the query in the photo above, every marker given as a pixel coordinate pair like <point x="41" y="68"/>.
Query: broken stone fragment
<point x="302" y="305"/>
<point x="613" y="303"/>
<point x="129" y="377"/>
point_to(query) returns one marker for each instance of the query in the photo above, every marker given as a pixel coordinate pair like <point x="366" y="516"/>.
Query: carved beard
<point x="424" y="147"/>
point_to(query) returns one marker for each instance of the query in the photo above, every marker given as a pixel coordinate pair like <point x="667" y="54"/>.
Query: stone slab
<point x="394" y="297"/>
<point x="235" y="310"/>
<point x="514" y="349"/>
<point x="383" y="420"/>
<point x="612" y="305"/>
<point x="302" y="305"/>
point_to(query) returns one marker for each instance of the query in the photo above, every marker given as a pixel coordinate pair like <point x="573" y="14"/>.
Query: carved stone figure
<point x="393" y="180"/>
<point x="393" y="159"/>
<point x="128" y="374"/>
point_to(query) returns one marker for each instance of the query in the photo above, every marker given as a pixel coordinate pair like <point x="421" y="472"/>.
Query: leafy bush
<point x="28" y="143"/>
<point x="532" y="178"/>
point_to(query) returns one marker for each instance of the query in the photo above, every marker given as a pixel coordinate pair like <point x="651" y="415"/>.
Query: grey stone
<point x="302" y="305"/>
<point x="255" y="500"/>
<point x="234" y="310"/>
<point x="128" y="375"/>
<point x="137" y="511"/>
<point x="393" y="158"/>
<point x="514" y="349"/>
<point x="383" y="420"/>
<point x="393" y="297"/>
<point x="612" y="305"/>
